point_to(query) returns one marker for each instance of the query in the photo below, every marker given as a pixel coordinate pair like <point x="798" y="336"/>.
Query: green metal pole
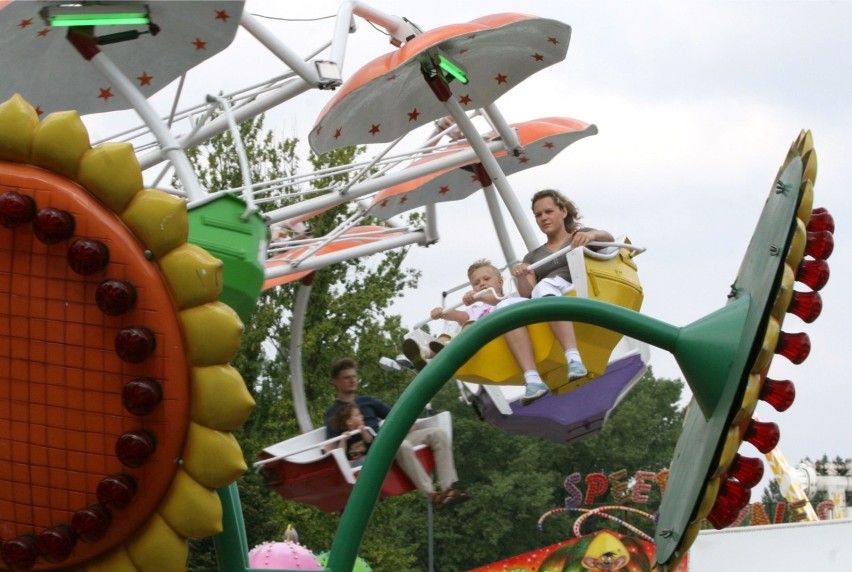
<point x="429" y="381"/>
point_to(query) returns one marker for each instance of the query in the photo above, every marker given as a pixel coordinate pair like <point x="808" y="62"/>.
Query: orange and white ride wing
<point x="388" y="97"/>
<point x="541" y="139"/>
<point x="40" y="64"/>
<point x="356" y="236"/>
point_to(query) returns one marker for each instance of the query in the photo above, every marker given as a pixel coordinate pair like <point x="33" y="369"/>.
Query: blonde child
<point x="348" y="419"/>
<point x="482" y="276"/>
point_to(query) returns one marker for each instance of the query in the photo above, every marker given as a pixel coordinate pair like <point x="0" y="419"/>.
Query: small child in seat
<point x="482" y="276"/>
<point x="348" y="420"/>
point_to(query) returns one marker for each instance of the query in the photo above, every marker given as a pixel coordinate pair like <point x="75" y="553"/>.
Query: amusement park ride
<point x="117" y="404"/>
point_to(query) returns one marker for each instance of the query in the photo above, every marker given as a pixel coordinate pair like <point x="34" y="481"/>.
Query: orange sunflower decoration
<point x="116" y="397"/>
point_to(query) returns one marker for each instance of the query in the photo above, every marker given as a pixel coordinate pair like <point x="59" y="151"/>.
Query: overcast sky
<point x="696" y="104"/>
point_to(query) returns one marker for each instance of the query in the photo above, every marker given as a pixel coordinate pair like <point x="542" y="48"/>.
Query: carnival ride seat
<point x="611" y="276"/>
<point x="492" y="380"/>
<point x="300" y="469"/>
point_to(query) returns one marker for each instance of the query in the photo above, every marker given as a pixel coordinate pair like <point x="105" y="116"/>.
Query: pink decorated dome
<point x="287" y="555"/>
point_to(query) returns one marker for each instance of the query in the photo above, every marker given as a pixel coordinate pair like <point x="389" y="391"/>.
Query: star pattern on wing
<point x="42" y="33"/>
<point x="538" y="57"/>
<point x="523" y="159"/>
<point x="25" y="23"/>
<point x="105" y="93"/>
<point x="384" y="203"/>
<point x="375" y="128"/>
<point x="552" y="40"/>
<point x="199" y="44"/>
<point x="444" y="190"/>
<point x="413" y="115"/>
<point x="222" y="15"/>
<point x="144" y="79"/>
<point x="465" y="100"/>
<point x="548" y="145"/>
<point x="501" y="79"/>
<point x="403" y="199"/>
<point x="337" y="132"/>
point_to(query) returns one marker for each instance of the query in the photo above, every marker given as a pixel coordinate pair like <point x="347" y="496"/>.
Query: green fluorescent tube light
<point x="96" y="15"/>
<point x="452" y="69"/>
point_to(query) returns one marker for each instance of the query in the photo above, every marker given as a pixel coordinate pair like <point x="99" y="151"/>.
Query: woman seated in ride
<point x="557" y="217"/>
<point x="482" y="276"/>
<point x="355" y="436"/>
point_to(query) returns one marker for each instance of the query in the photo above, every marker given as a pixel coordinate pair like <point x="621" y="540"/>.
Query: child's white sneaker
<point x="535" y="391"/>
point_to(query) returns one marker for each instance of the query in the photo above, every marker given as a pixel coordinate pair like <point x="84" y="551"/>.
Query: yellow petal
<point x="158" y="219"/>
<point x="116" y="561"/>
<point x="212" y="333"/>
<point x="191" y="509"/>
<point x="19" y="121"/>
<point x="220" y="399"/>
<point x="111" y="172"/>
<point x="60" y="143"/>
<point x="213" y="458"/>
<point x="158" y="548"/>
<point x="194" y="276"/>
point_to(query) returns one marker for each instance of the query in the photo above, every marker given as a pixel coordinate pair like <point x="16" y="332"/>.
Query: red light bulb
<point x="115" y="297"/>
<point x="821" y="219"/>
<point x="794" y="347"/>
<point x="90" y="524"/>
<point x="19" y="553"/>
<point x="764" y="435"/>
<point x="55" y="544"/>
<point x="813" y="273"/>
<point x="747" y="470"/>
<point x="733" y="497"/>
<point x="820" y="244"/>
<point x="141" y="396"/>
<point x="116" y="491"/>
<point x="87" y="256"/>
<point x="806" y="305"/>
<point x="134" y="344"/>
<point x="134" y="448"/>
<point x="53" y="225"/>
<point x="778" y="393"/>
<point x="16" y="209"/>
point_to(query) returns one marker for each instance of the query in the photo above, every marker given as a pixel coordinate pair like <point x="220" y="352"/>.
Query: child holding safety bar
<point x="485" y="297"/>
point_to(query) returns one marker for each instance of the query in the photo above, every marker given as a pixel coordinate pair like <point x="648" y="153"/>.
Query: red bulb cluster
<point x="134" y="448"/>
<point x="733" y="497"/>
<point x="52" y="226"/>
<point x="87" y="256"/>
<point x="55" y="544"/>
<point x="16" y="209"/>
<point x="90" y="524"/>
<point x="116" y="491"/>
<point x="141" y="395"/>
<point x="115" y="297"/>
<point x="134" y="344"/>
<point x="19" y="553"/>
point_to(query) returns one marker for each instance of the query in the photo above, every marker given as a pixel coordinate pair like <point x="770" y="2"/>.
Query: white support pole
<point x="169" y="145"/>
<point x="297" y="378"/>
<point x="500" y="226"/>
<point x="374" y="185"/>
<point x="323" y="260"/>
<point x="302" y="68"/>
<point x="501" y="183"/>
<point x="220" y="124"/>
